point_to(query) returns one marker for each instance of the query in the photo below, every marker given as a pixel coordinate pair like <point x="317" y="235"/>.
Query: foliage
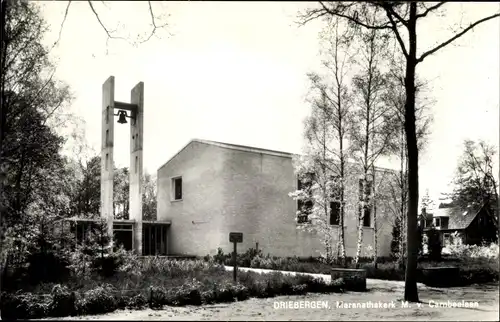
<point x="399" y="20"/>
<point x="457" y="249"/>
<point x="475" y="183"/>
<point x="121" y="193"/>
<point x="396" y="238"/>
<point x="149" y="197"/>
<point x="434" y="244"/>
<point x="185" y="283"/>
<point x="86" y="200"/>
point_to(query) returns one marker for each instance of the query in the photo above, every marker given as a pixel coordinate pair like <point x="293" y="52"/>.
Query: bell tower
<point x="135" y="112"/>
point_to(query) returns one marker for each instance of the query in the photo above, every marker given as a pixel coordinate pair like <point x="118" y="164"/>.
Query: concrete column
<point x="107" y="172"/>
<point x="135" y="179"/>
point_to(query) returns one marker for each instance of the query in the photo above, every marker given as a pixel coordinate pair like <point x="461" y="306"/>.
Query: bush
<point x="63" y="302"/>
<point x="98" y="300"/>
<point x="47" y="267"/>
<point x="434" y="244"/>
<point x="24" y="306"/>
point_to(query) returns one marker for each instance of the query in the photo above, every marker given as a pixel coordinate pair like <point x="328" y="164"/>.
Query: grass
<point x="472" y="270"/>
<point x="155" y="282"/>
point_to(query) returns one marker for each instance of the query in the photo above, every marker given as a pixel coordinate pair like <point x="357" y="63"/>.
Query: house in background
<point x="210" y="189"/>
<point x="473" y="224"/>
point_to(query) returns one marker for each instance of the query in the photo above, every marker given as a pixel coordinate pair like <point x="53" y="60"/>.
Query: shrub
<point x="220" y="257"/>
<point x="24" y="306"/>
<point x="434" y="244"/>
<point x="47" y="267"/>
<point x="98" y="300"/>
<point x="158" y="297"/>
<point x="63" y="301"/>
<point x="188" y="294"/>
<point x="137" y="301"/>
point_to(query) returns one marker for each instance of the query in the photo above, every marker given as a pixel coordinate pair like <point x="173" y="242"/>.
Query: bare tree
<point x="332" y="86"/>
<point x="112" y="34"/>
<point x="372" y="128"/>
<point x="399" y="18"/>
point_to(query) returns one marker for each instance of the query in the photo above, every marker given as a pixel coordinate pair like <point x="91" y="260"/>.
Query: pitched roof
<point x="247" y="149"/>
<point x="459" y="218"/>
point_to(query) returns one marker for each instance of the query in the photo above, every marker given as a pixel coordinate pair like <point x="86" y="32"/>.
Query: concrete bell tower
<point x="135" y="112"/>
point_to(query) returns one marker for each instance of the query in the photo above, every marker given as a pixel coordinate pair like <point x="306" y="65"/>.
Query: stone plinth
<point x="445" y="276"/>
<point x="354" y="279"/>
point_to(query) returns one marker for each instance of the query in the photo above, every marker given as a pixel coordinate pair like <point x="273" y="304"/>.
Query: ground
<point x="384" y="291"/>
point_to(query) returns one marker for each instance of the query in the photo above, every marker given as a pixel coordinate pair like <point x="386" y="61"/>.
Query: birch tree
<point x="332" y="86"/>
<point x="314" y="171"/>
<point x="371" y="130"/>
<point x="400" y="19"/>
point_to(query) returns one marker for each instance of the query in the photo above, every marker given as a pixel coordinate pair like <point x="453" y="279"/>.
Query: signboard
<point x="236" y="237"/>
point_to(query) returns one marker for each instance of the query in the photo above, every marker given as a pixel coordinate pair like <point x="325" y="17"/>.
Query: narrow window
<point x="107" y="115"/>
<point x="177" y="188"/>
<point x="367" y="219"/>
<point x="365" y="192"/>
<point x="136" y="163"/>
<point x="107" y="137"/>
<point x="334" y="213"/>
<point x="305" y="206"/>
<point x="106" y="162"/>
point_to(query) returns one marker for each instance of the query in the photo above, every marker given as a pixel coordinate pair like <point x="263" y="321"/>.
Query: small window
<point x="106" y="162"/>
<point x="438" y="222"/>
<point x="305" y="208"/>
<point x="335" y="213"/>
<point x="177" y="188"/>
<point x="107" y="137"/>
<point x="136" y="163"/>
<point x="367" y="219"/>
<point x="107" y="115"/>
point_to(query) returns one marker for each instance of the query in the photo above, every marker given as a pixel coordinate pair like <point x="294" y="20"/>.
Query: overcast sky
<point x="236" y="72"/>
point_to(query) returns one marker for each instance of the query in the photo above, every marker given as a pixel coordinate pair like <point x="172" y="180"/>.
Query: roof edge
<point x="253" y="150"/>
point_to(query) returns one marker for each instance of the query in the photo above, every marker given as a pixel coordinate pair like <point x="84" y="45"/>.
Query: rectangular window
<point x="177" y="188"/>
<point x="107" y="115"/>
<point x="335" y="213"/>
<point x="438" y="222"/>
<point x="444" y="223"/>
<point x="336" y="188"/>
<point x="365" y="192"/>
<point x="106" y="162"/>
<point x="305" y="206"/>
<point x="136" y="163"/>
<point x="107" y="138"/>
<point x="367" y="219"/>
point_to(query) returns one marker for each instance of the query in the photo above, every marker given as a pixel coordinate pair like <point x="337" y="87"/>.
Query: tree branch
<point x="460" y="34"/>
<point x="390" y="12"/>
<point x="155" y="27"/>
<point x="62" y="24"/>
<point x="102" y="25"/>
<point x="354" y="18"/>
<point x="432" y="8"/>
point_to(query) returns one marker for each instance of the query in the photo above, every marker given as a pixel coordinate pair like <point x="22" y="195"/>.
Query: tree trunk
<point x="411" y="291"/>
<point x="374" y="210"/>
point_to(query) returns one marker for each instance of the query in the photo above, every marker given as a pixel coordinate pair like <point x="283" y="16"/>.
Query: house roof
<point x="245" y="148"/>
<point x="459" y="218"/>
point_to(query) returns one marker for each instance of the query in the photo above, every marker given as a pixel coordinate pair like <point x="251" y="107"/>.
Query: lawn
<point x="265" y="309"/>
<point x="155" y="282"/>
<point x="472" y="270"/>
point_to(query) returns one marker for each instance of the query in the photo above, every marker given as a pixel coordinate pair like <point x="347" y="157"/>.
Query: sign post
<point x="235" y="238"/>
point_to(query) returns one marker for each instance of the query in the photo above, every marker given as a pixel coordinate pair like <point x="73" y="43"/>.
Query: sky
<point x="236" y="72"/>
